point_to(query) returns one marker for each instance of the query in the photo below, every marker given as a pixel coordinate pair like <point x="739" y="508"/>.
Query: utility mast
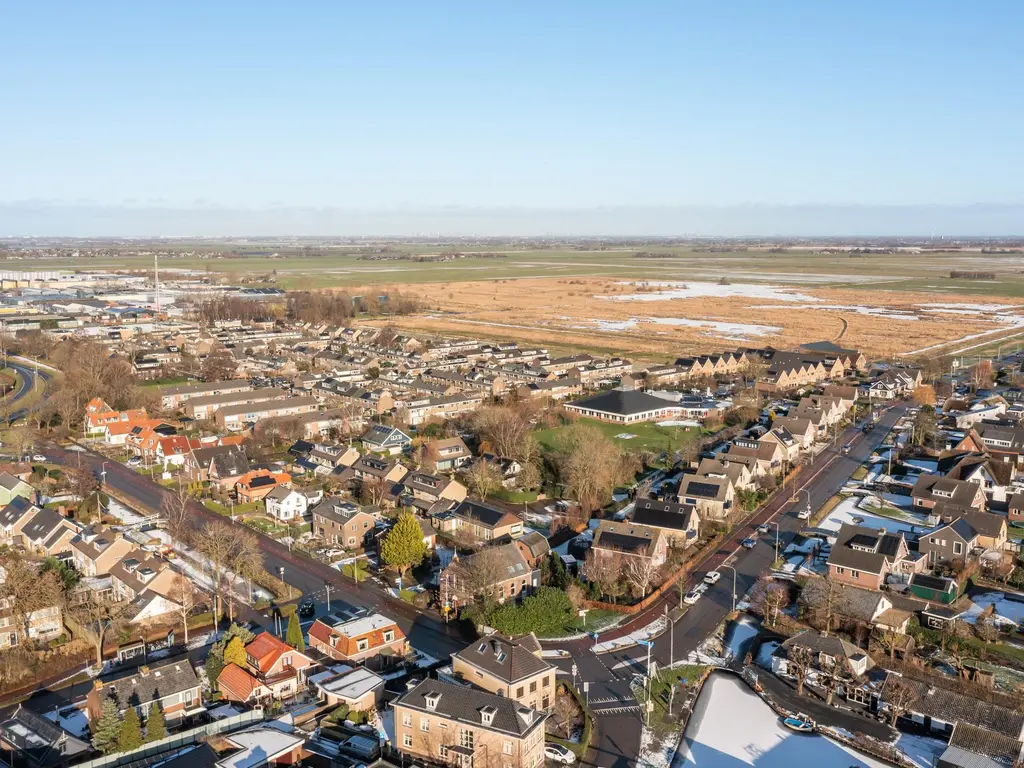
<point x="156" y="280"/>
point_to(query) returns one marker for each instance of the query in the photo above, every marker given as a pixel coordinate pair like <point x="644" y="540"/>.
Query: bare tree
<point x="640" y="572"/>
<point x="824" y="595"/>
<point x="504" y="428"/>
<point x="606" y="570"/>
<point x="798" y="663"/>
<point x="899" y="696"/>
<point x="770" y="597"/>
<point x="175" y="506"/>
<point x="373" y="491"/>
<point x="476" y="575"/>
<point x="99" y="621"/>
<point x="245" y="561"/>
<point x="184" y="593"/>
<point x="25" y="590"/>
<point x="590" y="465"/>
<point x="889" y="639"/>
<point x="986" y="630"/>
<point x="835" y="675"/>
<point x="216" y="541"/>
<point x="483" y="478"/>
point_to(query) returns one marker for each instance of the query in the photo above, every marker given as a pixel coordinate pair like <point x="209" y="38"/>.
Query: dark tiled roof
<point x="479" y="513"/>
<point x="952" y="707"/>
<point x="508" y="660"/>
<point x="163" y="680"/>
<point x="43" y="525"/>
<point x="982" y="741"/>
<point x="464" y="704"/>
<point x="41" y="742"/>
<point x="662" y="514"/>
<point x="624" y="402"/>
<point x="232" y="462"/>
<point x="846" y="556"/>
<point x="12" y="513"/>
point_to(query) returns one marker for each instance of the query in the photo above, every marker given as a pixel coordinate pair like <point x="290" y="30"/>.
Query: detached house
<point x="11" y="486"/>
<point x="511" y="574"/>
<point x="508" y="666"/>
<point x="480" y="521"/>
<point x="96" y="550"/>
<point x="864" y="557"/>
<point x="941" y="495"/>
<point x="712" y="497"/>
<point x="448" y="455"/>
<point x="343" y="524"/>
<point x="459" y="725"/>
<point x="273" y="671"/>
<point x="288" y="504"/>
<point x="375" y="640"/>
<point x="427" y="489"/>
<point x="173" y="685"/>
<point x="384" y="439"/>
<point x="256" y="484"/>
<point x="679" y="522"/>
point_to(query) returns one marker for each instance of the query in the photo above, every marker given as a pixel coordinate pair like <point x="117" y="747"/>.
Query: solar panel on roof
<point x="702" y="489"/>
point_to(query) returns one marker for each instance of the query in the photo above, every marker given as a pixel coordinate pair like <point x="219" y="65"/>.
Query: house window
<point x="958" y="548"/>
<point x="407" y="740"/>
<point x="407" y="719"/>
<point x="466" y="738"/>
<point x="547" y="681"/>
<point x="351" y="540"/>
<point x="533" y="687"/>
<point x="855" y="574"/>
<point x="519" y="692"/>
<point x="389" y="636"/>
<point x="363" y="645"/>
<point x="507" y="748"/>
<point x="424" y="725"/>
<point x="443" y="751"/>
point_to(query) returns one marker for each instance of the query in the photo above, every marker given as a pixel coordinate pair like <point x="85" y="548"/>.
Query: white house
<point x="287" y="504"/>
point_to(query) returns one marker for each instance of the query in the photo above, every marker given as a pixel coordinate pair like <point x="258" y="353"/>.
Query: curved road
<point x="26" y="374"/>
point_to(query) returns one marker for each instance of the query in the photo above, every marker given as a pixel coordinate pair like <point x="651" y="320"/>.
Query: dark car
<point x="748" y="543"/>
<point x="307" y="608"/>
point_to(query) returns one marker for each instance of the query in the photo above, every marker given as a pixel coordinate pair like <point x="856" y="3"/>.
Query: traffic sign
<point x="575" y="669"/>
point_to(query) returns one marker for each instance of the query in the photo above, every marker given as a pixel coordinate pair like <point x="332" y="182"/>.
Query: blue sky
<point x="548" y="105"/>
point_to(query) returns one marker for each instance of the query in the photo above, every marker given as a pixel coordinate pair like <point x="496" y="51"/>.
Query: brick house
<point x="510" y="667"/>
<point x="375" y="640"/>
<point x="864" y="557"/>
<point x="273" y="670"/>
<point x="460" y="725"/>
<point x="341" y="523"/>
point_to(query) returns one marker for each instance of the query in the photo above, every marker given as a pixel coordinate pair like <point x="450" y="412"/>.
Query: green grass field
<point x="336" y="265"/>
<point x="648" y="436"/>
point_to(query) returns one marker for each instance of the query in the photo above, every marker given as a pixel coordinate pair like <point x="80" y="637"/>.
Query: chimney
<point x="144" y="670"/>
<point x="881" y="532"/>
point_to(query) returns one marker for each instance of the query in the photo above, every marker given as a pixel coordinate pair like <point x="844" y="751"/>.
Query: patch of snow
<point x="966" y="305"/>
<point x="847" y="510"/>
<point x="731" y="726"/>
<point x="921" y="750"/>
<point x="742" y="329"/>
<point x="653" y="629"/>
<point x="1008" y="610"/>
<point x="693" y="290"/>
<point x="73" y="720"/>
<point x="625" y="436"/>
<point x="656" y="750"/>
<point x="678" y="423"/>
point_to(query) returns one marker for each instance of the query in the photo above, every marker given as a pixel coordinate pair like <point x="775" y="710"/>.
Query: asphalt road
<point x="25" y="388"/>
<point x="307" y="577"/>
<point x="609" y="674"/>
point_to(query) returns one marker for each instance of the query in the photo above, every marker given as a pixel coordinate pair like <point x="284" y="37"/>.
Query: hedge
<point x="544" y="612"/>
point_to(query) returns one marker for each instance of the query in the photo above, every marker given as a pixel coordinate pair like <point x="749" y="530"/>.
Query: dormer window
<point x="431" y="699"/>
<point x="487" y="714"/>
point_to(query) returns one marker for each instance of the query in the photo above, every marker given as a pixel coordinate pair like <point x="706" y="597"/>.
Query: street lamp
<point x="772" y="522"/>
<point x="103" y="474"/>
<point x="796" y="497"/>
<point x="731" y="568"/>
<point x="327" y="586"/>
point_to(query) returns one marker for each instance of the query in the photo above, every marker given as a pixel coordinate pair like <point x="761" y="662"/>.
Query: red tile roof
<point x="267" y="649"/>
<point x="236" y="683"/>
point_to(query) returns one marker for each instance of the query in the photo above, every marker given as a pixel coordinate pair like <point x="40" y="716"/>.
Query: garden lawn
<point x="238" y="509"/>
<point x="648" y="435"/>
<point x="596" y="620"/>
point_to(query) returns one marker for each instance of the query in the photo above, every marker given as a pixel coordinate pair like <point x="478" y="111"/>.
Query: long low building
<point x="625" y="406"/>
<point x="175" y="396"/>
<point x="235" y="417"/>
<point x="207" y="406"/>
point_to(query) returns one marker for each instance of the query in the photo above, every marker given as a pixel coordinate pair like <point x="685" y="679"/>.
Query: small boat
<point x="801" y="723"/>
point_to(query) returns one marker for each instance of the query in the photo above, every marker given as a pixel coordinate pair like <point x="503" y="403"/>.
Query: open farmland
<point x="659" y="319"/>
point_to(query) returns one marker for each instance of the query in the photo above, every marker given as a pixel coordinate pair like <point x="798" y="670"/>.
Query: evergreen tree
<point x="294" y="634"/>
<point x="107" y="728"/>
<point x="156" y="728"/>
<point x="214" y="665"/>
<point x="130" y="736"/>
<point x="403" y="545"/>
<point x="234" y="653"/>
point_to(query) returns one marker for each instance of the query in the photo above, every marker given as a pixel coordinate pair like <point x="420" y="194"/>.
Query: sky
<point x="117" y="115"/>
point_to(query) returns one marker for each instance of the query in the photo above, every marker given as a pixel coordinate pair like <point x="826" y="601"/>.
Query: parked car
<point x="804" y="514"/>
<point x="695" y="594"/>
<point x="559" y="754"/>
<point x="748" y="543"/>
<point x="38" y="457"/>
<point x="307" y="608"/>
<point x="712" y="577"/>
<point x="134" y="461"/>
<point x="763" y="528"/>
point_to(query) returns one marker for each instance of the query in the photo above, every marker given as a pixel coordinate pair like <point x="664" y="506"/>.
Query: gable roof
<point x="484" y="515"/>
<point x="952" y="707"/>
<point x="139" y="687"/>
<point x="463" y="704"/>
<point x="15" y="509"/>
<point x="663" y="514"/>
<point x="864" y="549"/>
<point x="505" y="658"/>
<point x="43" y="743"/>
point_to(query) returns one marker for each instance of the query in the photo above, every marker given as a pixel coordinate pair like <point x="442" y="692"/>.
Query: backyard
<point x="643" y="436"/>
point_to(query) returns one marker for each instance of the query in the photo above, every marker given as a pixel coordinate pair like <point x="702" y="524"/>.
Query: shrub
<point x="546" y="611"/>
